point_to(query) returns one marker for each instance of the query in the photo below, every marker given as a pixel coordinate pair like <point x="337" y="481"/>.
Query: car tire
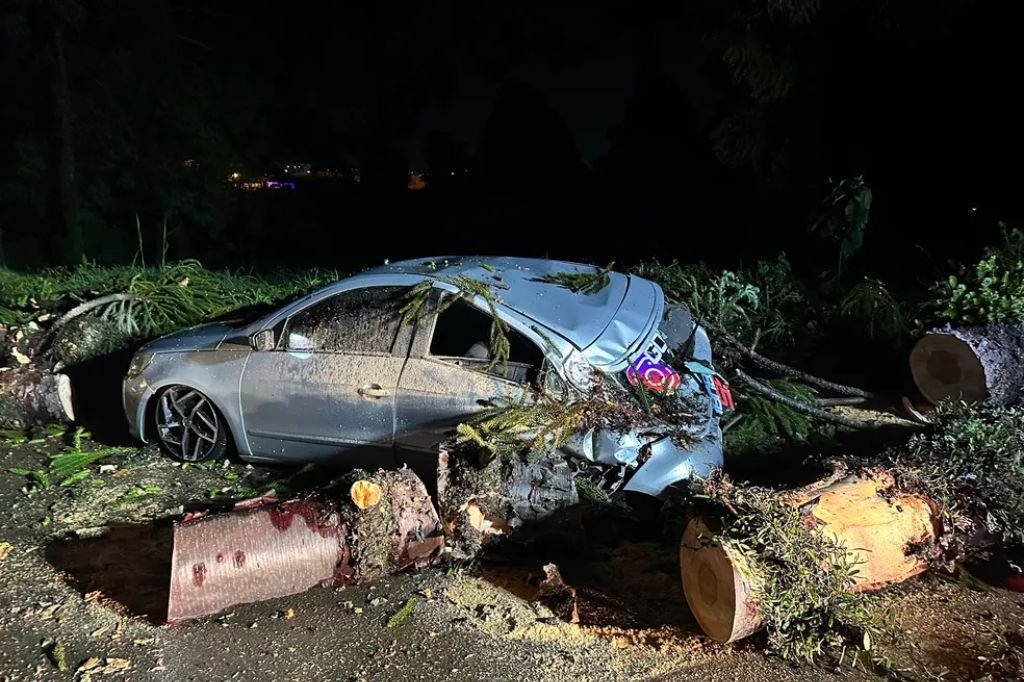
<point x="189" y="426"/>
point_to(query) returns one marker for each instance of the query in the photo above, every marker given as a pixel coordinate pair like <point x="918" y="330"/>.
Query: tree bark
<point x="261" y="551"/>
<point x="890" y="535"/>
<point x="768" y="392"/>
<point x="792" y="372"/>
<point x="483" y="498"/>
<point x="974" y="364"/>
<point x="31" y="397"/>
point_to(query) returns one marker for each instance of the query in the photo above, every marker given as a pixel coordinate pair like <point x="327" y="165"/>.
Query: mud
<point x="76" y="579"/>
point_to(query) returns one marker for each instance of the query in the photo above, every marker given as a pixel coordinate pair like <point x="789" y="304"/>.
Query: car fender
<point x="215" y="374"/>
<point x="670" y="463"/>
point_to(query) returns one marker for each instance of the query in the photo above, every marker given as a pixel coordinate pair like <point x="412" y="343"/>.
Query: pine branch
<point x="792" y="372"/>
<point x="768" y="392"/>
<point x="78" y="311"/>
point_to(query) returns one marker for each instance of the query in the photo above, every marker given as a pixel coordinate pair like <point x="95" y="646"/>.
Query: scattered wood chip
<point x="554" y="593"/>
<point x="88" y="664"/>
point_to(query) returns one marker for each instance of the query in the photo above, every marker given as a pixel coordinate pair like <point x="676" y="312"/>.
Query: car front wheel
<point x="189" y="427"/>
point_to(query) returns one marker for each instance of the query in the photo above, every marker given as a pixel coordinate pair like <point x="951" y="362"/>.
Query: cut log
<point x="32" y="397"/>
<point x="972" y="364"/>
<point x="717" y="583"/>
<point x="273" y="550"/>
<point x="889" y="535"/>
<point x="482" y="498"/>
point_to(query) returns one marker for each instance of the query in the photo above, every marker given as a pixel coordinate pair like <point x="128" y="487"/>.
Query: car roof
<point x="518" y="282"/>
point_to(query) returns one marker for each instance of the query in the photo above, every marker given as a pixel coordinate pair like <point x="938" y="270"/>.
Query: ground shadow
<point x="96" y="396"/>
<point x="128" y="568"/>
<point x="622" y="566"/>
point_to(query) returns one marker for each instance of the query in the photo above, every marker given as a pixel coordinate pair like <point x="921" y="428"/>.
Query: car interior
<point x="461" y="336"/>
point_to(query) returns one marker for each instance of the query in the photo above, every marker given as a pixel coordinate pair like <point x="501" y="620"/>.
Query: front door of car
<point x="327" y="390"/>
<point x="447" y="379"/>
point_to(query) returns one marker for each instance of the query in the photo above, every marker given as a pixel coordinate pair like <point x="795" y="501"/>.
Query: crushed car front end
<point x="656" y="352"/>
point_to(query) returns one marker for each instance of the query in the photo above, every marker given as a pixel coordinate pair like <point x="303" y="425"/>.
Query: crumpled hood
<point x="202" y="337"/>
<point x="630" y="328"/>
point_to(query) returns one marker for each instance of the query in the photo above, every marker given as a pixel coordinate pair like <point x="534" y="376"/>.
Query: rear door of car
<point x="327" y="390"/>
<point x="445" y="380"/>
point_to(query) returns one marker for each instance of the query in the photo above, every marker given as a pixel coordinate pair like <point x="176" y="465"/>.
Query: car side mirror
<point x="263" y="340"/>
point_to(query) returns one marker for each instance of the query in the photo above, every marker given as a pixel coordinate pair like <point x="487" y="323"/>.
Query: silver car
<point x="341" y="375"/>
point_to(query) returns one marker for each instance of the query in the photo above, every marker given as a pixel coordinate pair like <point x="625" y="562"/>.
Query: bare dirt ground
<point x="84" y="571"/>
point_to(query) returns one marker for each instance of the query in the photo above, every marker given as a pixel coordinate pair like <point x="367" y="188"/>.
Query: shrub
<point x="991" y="290"/>
<point x="760" y="302"/>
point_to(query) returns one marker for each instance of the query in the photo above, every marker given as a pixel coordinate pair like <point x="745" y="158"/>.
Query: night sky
<point x="712" y="127"/>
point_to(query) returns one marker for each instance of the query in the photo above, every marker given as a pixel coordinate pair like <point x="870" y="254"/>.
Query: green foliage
<point x="590" y="491"/>
<point x="402" y="613"/>
<point x="972" y="462"/>
<point x="58" y="656"/>
<point x="992" y="290"/>
<point x="468" y="288"/>
<point x="537" y="423"/>
<point x="164" y="298"/>
<point x="803" y="577"/>
<point x="581" y="282"/>
<point x="766" y="71"/>
<point x="871" y="302"/>
<point x="758" y="302"/>
<point x="765" y="425"/>
<point x="13" y="436"/>
<point x="844" y="217"/>
<point x="138" y="493"/>
<point x="69" y="467"/>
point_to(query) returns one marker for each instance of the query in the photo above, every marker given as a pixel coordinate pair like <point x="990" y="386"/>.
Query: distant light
<point x="974" y="209"/>
<point x="453" y="172"/>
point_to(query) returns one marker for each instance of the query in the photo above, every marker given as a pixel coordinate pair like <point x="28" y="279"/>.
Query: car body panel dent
<point x="373" y="409"/>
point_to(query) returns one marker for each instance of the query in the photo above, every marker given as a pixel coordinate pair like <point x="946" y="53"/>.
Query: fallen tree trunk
<point x="972" y="364"/>
<point x="482" y="498"/>
<point x="888" y="534"/>
<point x="260" y="551"/>
<point x="17" y="344"/>
<point x="34" y="396"/>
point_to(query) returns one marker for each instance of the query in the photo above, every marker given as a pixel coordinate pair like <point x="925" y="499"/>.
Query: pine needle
<point x="581" y="282"/>
<point x="402" y="613"/>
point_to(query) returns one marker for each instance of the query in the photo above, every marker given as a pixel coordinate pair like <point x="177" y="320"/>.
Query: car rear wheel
<point x="189" y="427"/>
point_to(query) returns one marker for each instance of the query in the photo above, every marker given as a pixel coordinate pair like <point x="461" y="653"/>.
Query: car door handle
<point x="372" y="391"/>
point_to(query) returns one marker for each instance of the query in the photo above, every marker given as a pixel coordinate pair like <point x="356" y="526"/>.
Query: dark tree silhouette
<point x="526" y="146"/>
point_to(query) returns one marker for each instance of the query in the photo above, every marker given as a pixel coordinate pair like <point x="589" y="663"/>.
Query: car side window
<point x="360" y="321"/>
<point x="462" y="334"/>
